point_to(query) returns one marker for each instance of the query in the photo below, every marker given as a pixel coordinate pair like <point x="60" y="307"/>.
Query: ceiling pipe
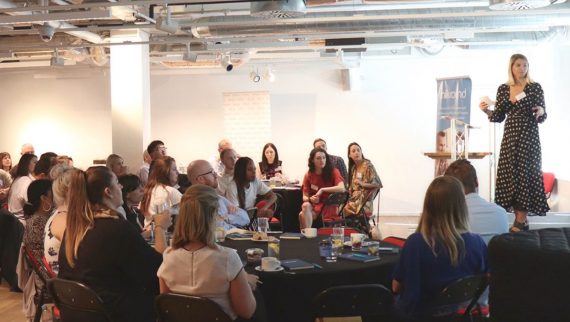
<point x="61" y="26"/>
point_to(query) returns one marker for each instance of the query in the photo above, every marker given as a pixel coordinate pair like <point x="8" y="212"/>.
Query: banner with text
<point x="453" y="102"/>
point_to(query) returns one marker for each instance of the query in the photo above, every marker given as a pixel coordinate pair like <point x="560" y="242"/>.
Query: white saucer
<point x="279" y="269"/>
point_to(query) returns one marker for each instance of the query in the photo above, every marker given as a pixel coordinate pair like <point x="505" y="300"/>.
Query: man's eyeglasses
<point x="207" y="173"/>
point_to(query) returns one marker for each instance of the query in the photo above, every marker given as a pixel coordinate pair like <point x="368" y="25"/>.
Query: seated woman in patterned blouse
<point x="363" y="183"/>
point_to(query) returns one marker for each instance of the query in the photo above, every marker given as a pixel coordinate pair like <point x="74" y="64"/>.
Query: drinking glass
<point x="263" y="225"/>
<point x="373" y="248"/>
<point x="220" y="231"/>
<point x="356" y="241"/>
<point x="273" y="248"/>
<point x="337" y="239"/>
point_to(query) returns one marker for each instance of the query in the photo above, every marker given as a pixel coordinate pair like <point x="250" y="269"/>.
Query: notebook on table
<point x="291" y="236"/>
<point x="296" y="264"/>
<point x="358" y="257"/>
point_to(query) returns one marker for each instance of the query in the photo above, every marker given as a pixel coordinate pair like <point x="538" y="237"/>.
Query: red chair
<point x="549" y="178"/>
<point x="329" y="230"/>
<point x="396" y="241"/>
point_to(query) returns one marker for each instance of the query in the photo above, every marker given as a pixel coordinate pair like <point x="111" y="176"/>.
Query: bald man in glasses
<point x="202" y="172"/>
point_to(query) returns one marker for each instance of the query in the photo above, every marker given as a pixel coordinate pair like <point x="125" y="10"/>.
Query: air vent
<point x="281" y="9"/>
<point x="520" y="4"/>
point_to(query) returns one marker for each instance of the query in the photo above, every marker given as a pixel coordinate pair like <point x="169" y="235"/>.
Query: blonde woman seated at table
<point x="319" y="182"/>
<point x="195" y="265"/>
<point x="159" y="190"/>
<point x="245" y="188"/>
<point x="441" y="251"/>
<point x="364" y="180"/>
<point x="270" y="165"/>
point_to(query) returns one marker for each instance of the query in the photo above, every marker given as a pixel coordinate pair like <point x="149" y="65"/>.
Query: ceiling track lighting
<point x="166" y="24"/>
<point x="254" y="76"/>
<point x="189" y="55"/>
<point x="226" y="63"/>
<point x="55" y="60"/>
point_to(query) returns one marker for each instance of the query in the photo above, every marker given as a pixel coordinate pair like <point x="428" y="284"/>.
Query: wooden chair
<point x="463" y="294"/>
<point x="186" y="308"/>
<point x="77" y="302"/>
<point x="373" y="302"/>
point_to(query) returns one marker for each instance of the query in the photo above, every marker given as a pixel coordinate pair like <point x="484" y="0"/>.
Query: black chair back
<point x="77" y="302"/>
<point x="463" y="292"/>
<point x="186" y="308"/>
<point x="252" y="214"/>
<point x="337" y="199"/>
<point x="370" y="301"/>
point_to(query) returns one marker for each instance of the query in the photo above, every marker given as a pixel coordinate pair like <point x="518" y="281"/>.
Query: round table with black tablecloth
<point x="288" y="295"/>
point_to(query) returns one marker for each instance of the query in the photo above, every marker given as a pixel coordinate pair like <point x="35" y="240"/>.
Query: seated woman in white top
<point x="18" y="194"/>
<point x="215" y="272"/>
<point x="246" y="186"/>
<point x="159" y="190"/>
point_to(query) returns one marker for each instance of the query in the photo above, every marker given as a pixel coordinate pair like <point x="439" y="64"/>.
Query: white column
<point x="130" y="97"/>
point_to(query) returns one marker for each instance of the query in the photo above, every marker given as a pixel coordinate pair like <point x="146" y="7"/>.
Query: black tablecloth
<point x="288" y="296"/>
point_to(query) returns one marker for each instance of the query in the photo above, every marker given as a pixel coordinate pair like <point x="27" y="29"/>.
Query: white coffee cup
<point x="487" y="100"/>
<point x="270" y="264"/>
<point x="309" y="232"/>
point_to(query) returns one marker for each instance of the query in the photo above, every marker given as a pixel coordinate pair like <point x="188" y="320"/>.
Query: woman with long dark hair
<point x="364" y="180"/>
<point x="441" y="251"/>
<point x="105" y="252"/>
<point x="319" y="182"/>
<point x="270" y="165"/>
<point x="245" y="188"/>
<point x="132" y="196"/>
<point x="18" y="194"/>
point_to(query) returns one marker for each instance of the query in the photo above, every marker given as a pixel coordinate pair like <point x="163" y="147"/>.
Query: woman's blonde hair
<point x="196" y="219"/>
<point x="445" y="217"/>
<point x="512" y="61"/>
<point x="61" y="176"/>
<point x="86" y="193"/>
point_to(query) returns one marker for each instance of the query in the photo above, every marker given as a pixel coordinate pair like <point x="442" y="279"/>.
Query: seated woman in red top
<point x="319" y="182"/>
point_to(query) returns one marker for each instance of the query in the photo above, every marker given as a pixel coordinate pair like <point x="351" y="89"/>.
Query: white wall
<point x="392" y="116"/>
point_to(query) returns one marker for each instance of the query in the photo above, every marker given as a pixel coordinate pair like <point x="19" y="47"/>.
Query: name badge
<point x="314" y="187"/>
<point x="520" y="96"/>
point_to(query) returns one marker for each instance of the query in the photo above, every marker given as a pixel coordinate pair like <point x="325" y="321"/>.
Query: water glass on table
<point x="337" y="239"/>
<point x="356" y="240"/>
<point x="373" y="248"/>
<point x="263" y="224"/>
<point x="220" y="231"/>
<point x="273" y="248"/>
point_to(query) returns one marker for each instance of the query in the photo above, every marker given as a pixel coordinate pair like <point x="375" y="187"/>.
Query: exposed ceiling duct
<point x="278" y="8"/>
<point x="391" y="23"/>
<point x="520" y="4"/>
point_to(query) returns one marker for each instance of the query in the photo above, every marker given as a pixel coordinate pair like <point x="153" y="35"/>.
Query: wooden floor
<point x="10" y="305"/>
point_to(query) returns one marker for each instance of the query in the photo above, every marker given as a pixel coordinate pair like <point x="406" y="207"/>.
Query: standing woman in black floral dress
<point x="519" y="174"/>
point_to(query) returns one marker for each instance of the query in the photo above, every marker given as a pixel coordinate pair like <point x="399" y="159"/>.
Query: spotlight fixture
<point x="55" y="60"/>
<point x="46" y="32"/>
<point x="226" y="63"/>
<point x="254" y="75"/>
<point x="268" y="75"/>
<point x="166" y="24"/>
<point x="189" y="56"/>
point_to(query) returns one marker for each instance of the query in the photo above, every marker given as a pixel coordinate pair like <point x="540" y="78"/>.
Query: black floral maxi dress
<point x="519" y="174"/>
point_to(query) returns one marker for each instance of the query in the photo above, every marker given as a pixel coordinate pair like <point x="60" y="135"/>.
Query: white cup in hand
<point x="487" y="100"/>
